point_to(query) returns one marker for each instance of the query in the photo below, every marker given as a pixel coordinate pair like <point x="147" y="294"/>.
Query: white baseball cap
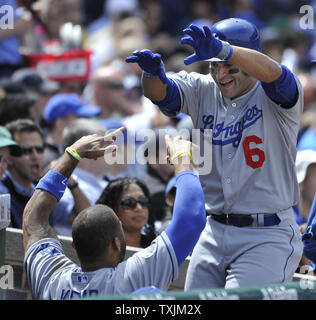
<point x="304" y="158"/>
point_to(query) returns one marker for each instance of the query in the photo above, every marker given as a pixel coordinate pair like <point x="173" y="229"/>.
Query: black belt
<point x="243" y="220"/>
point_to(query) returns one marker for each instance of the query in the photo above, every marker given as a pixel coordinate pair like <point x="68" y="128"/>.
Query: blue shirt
<point x="307" y="140"/>
<point x="19" y="198"/>
<point x="9" y="47"/>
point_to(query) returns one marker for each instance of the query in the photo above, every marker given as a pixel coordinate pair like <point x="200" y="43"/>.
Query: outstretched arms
<point x="52" y="186"/>
<point x="206" y="47"/>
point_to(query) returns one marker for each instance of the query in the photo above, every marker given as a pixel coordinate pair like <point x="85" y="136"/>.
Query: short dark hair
<point x="15" y="106"/>
<point x="23" y="125"/>
<point x="93" y="230"/>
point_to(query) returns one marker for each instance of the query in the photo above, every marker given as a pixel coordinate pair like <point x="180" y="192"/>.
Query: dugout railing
<point x="303" y="286"/>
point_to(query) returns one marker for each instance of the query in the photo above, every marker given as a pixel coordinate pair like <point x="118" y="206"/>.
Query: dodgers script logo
<point x="232" y="133"/>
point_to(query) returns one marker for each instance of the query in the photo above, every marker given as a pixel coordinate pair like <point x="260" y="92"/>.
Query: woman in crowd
<point x="129" y="198"/>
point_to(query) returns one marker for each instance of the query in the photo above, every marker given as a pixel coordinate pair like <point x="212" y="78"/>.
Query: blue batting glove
<point x="205" y="45"/>
<point x="150" y="63"/>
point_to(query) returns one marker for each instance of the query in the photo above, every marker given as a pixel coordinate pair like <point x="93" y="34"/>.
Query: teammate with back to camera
<point x="253" y="105"/>
<point x="97" y="233"/>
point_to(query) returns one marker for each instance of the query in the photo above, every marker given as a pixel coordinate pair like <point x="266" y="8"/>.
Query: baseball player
<point x="252" y="104"/>
<point x="98" y="236"/>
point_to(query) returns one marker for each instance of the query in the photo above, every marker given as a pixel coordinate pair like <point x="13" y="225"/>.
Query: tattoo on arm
<point x="35" y="218"/>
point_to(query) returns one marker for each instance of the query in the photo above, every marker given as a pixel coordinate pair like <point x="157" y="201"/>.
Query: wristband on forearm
<point x="179" y="154"/>
<point x="149" y="75"/>
<point x="73" y="152"/>
<point x="53" y="182"/>
<point x="226" y="51"/>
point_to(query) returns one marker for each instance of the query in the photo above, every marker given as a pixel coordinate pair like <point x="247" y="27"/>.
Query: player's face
<point x="231" y="81"/>
<point x="133" y="215"/>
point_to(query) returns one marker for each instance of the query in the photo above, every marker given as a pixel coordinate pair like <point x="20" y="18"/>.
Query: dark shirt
<point x="19" y="198"/>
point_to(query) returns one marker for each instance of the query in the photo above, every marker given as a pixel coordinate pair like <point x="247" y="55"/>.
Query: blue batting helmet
<point x="237" y="32"/>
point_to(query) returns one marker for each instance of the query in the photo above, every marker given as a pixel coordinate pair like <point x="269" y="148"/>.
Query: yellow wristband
<point x="180" y="154"/>
<point x="73" y="152"/>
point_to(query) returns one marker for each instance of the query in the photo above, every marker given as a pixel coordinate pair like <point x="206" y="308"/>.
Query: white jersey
<point x="53" y="276"/>
<point x="254" y="146"/>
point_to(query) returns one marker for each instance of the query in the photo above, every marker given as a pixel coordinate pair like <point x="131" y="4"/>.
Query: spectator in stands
<point x="21" y="22"/>
<point x="306" y="177"/>
<point x="60" y="110"/>
<point x="37" y="87"/>
<point x="15" y="106"/>
<point x="98" y="236"/>
<point x="23" y="169"/>
<point x="108" y="92"/>
<point x="129" y="198"/>
<point x="7" y="145"/>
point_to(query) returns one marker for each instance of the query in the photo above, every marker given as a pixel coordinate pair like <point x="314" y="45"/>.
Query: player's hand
<point x="176" y="146"/>
<point x="149" y="62"/>
<point x="179" y="153"/>
<point x="205" y="45"/>
<point x="95" y="146"/>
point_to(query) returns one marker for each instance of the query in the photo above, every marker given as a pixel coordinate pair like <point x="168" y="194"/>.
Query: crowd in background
<point x="42" y="114"/>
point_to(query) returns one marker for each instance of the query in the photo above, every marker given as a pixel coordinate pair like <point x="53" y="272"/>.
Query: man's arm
<point x="255" y="63"/>
<point x="189" y="216"/>
<point x="157" y="87"/>
<point x="277" y="81"/>
<point x="52" y="186"/>
<point x="81" y="201"/>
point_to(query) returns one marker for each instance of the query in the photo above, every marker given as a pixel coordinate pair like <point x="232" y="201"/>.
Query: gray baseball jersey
<point x="253" y="146"/>
<point x="53" y="276"/>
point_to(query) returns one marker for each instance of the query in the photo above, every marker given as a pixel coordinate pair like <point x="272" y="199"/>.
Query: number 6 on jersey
<point x="250" y="153"/>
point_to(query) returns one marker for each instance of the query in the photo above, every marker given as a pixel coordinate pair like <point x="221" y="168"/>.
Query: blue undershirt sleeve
<point x="284" y="90"/>
<point x="170" y="105"/>
<point x="189" y="216"/>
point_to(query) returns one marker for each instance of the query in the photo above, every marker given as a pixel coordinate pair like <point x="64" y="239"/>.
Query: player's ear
<point x="73" y="245"/>
<point x="116" y="244"/>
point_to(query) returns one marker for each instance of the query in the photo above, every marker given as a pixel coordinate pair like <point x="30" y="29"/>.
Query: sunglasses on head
<point x="131" y="203"/>
<point x="29" y="150"/>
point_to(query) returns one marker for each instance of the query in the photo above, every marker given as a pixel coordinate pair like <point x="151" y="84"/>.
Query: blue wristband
<point x="53" y="182"/>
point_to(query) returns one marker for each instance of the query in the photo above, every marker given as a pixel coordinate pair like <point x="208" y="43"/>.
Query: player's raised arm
<point x="189" y="217"/>
<point x="157" y="87"/>
<point x="51" y="187"/>
<point x="236" y="42"/>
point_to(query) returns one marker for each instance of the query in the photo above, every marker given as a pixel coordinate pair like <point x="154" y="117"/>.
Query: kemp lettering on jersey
<point x="73" y="294"/>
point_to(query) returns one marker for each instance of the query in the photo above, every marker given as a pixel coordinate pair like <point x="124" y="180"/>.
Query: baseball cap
<point x="62" y="104"/>
<point x="304" y="158"/>
<point x="7" y="141"/>
<point x="30" y="79"/>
